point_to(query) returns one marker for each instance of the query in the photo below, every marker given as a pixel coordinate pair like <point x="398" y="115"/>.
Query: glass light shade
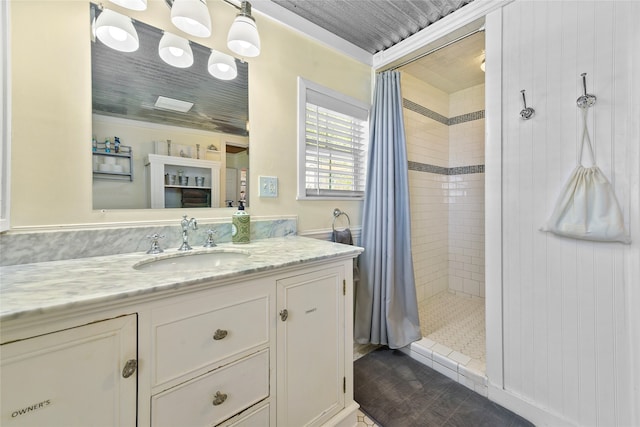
<point x="116" y="31"/>
<point x="482" y="66"/>
<point x="243" y="37"/>
<point x="175" y="50"/>
<point x="132" y="4"/>
<point x="222" y="66"/>
<point x="192" y="17"/>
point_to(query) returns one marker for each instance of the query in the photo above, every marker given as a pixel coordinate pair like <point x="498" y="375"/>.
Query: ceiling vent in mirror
<point x="165" y="103"/>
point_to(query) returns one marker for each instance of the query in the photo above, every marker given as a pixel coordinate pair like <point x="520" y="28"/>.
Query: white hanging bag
<point x="587" y="207"/>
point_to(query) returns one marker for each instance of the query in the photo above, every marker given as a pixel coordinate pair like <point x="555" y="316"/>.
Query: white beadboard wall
<point x="570" y="319"/>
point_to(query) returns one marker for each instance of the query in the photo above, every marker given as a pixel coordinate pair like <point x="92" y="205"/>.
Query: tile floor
<point x="456" y="323"/>
<point x="453" y="326"/>
<point x="399" y="391"/>
<point x="364" y="421"/>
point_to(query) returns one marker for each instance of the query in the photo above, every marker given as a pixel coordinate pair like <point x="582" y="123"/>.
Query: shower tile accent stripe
<point x="459" y="170"/>
<point x="410" y="105"/>
<point x="469" y="117"/>
<point x="463" y="118"/>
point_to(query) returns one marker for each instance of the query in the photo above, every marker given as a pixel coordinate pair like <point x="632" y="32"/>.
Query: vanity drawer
<point x="190" y="337"/>
<point x="257" y="418"/>
<point x="194" y="403"/>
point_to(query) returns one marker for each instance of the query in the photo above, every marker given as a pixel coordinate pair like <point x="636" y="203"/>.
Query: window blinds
<point x="336" y="138"/>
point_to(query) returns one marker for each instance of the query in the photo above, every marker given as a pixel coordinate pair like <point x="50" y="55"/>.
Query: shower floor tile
<point x="456" y="322"/>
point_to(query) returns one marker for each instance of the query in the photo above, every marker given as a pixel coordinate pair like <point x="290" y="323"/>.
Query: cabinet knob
<point x="284" y="314"/>
<point x="219" y="398"/>
<point x="129" y="368"/>
<point x="219" y="334"/>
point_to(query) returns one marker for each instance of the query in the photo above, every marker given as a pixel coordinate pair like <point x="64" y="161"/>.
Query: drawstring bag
<point x="587" y="208"/>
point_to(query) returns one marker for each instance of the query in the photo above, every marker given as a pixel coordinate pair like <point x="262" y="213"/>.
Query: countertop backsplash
<point x="41" y="246"/>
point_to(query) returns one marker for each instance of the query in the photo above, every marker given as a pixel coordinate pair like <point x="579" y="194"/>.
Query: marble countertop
<point x="57" y="285"/>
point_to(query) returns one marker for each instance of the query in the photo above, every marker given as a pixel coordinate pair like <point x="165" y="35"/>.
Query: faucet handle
<point x="210" y="243"/>
<point x="155" y="247"/>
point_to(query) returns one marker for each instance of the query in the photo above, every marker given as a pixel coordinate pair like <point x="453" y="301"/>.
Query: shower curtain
<point x="386" y="304"/>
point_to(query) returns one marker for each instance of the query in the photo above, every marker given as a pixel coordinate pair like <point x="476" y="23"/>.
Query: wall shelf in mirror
<point x="179" y="182"/>
<point x="112" y="165"/>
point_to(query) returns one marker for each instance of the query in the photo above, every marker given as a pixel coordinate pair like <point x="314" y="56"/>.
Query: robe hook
<point x="527" y="112"/>
<point x="586" y="100"/>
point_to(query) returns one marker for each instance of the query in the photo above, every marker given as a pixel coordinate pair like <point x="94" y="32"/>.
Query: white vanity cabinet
<point x="81" y="376"/>
<point x="212" y="352"/>
<point x="311" y="346"/>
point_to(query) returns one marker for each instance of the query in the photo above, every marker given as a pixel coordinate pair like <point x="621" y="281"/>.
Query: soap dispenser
<point x="240" y="225"/>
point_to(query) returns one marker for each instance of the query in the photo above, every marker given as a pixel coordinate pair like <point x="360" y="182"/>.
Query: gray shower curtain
<point x="386" y="305"/>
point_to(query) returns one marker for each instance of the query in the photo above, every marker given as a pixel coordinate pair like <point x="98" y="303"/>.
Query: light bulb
<point x="222" y="66"/>
<point x="176" y="51"/>
<point x="117" y="33"/>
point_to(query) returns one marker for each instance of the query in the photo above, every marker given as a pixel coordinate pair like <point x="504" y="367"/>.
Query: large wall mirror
<point x="204" y="151"/>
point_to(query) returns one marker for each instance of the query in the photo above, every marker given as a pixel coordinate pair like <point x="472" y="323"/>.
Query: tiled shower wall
<point x="466" y="191"/>
<point x="445" y="148"/>
<point x="427" y="144"/>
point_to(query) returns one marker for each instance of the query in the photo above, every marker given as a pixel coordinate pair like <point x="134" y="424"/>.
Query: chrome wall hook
<point x="527" y="112"/>
<point x="586" y="100"/>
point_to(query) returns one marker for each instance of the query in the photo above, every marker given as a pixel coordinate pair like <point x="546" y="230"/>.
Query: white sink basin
<point x="192" y="261"/>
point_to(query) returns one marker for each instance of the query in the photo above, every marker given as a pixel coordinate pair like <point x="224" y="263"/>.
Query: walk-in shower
<point x="443" y="98"/>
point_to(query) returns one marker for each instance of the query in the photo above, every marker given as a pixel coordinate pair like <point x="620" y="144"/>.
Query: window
<point x="333" y="135"/>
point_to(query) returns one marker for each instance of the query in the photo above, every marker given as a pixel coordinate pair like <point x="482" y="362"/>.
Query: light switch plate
<point x="268" y="186"/>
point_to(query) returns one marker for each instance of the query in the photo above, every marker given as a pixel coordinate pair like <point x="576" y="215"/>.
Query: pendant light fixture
<point x="192" y="17"/>
<point x="116" y="31"/>
<point x="243" y="38"/>
<point x="131" y="4"/>
<point x="222" y="66"/>
<point x="175" y="50"/>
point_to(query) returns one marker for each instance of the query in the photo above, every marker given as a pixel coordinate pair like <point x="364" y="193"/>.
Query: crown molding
<point x="302" y="26"/>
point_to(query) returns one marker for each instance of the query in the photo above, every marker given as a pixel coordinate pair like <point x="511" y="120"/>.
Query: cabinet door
<point x="72" y="377"/>
<point x="310" y="340"/>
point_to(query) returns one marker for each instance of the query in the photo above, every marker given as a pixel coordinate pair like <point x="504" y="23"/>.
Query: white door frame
<point x="465" y="20"/>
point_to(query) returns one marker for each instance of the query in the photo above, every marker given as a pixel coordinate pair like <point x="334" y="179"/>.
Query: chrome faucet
<point x="186" y="223"/>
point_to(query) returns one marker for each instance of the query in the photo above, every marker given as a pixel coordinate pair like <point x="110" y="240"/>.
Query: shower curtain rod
<point x="422" y="55"/>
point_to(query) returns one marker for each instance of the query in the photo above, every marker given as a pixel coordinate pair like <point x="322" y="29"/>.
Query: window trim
<point x="304" y="86"/>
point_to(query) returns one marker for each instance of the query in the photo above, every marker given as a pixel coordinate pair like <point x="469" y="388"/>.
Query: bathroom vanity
<point x="259" y="338"/>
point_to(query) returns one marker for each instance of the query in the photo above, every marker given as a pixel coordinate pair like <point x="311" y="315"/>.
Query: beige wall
<point x="51" y="156"/>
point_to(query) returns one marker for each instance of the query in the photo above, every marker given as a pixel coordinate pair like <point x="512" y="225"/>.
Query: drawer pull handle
<point x="220" y="334"/>
<point x="129" y="368"/>
<point x="219" y="398"/>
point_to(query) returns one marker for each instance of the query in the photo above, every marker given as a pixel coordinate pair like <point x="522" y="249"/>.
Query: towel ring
<point x="336" y="213"/>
